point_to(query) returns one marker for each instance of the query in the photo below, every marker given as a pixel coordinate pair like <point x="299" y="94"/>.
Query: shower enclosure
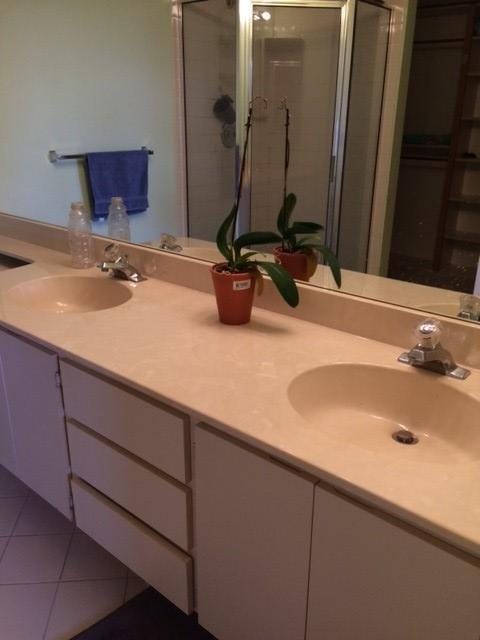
<point x="327" y="60"/>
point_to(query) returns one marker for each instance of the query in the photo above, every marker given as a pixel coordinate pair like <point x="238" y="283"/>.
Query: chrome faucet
<point x="429" y="354"/>
<point x="469" y="307"/>
<point x="118" y="264"/>
<point x="169" y="243"/>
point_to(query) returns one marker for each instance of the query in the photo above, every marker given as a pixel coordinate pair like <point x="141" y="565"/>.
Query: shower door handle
<point x="333" y="168"/>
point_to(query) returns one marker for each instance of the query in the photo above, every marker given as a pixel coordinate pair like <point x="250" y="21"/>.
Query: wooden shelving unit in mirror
<point x="438" y="194"/>
<point x="458" y="231"/>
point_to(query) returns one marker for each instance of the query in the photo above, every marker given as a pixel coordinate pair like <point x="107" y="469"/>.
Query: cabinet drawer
<point x="162" y="565"/>
<point x="163" y="504"/>
<point x="147" y="428"/>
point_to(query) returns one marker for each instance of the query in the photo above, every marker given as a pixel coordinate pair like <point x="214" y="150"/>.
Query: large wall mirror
<point x="385" y="126"/>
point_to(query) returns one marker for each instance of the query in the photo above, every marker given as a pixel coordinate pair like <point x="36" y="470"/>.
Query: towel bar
<point x="53" y="156"/>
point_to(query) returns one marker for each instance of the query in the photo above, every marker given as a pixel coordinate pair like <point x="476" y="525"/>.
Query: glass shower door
<point x="369" y="58"/>
<point x="295" y="57"/>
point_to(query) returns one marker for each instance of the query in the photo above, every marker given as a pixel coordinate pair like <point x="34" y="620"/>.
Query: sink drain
<point x="405" y="437"/>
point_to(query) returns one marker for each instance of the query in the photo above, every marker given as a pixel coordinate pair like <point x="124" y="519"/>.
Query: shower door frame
<point x="244" y="82"/>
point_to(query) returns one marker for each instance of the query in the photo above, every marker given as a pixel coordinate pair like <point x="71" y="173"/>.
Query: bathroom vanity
<point x="187" y="449"/>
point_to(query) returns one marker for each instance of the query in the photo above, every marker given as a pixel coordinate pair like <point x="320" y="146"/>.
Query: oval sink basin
<point x="69" y="294"/>
<point x="365" y="405"/>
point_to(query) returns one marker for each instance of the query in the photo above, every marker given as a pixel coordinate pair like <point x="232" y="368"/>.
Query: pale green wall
<point x="85" y="75"/>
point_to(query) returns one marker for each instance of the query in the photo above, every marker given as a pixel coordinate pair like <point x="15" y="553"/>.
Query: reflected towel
<point x="118" y="173"/>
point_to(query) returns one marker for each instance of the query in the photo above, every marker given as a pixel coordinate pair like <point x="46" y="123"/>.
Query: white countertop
<point x="167" y="342"/>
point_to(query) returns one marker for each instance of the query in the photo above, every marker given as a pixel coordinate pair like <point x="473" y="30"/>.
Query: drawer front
<point x="163" y="504"/>
<point x="162" y="565"/>
<point x="148" y="429"/>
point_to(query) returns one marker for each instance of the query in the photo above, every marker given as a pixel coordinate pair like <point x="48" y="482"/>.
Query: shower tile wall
<point x="209" y="69"/>
<point x="295" y="55"/>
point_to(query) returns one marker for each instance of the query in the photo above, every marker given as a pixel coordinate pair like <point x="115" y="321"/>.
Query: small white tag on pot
<point x="240" y="285"/>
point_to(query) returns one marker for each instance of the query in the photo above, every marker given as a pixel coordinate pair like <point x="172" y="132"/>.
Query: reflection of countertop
<point x="407" y="294"/>
<point x="167" y="342"/>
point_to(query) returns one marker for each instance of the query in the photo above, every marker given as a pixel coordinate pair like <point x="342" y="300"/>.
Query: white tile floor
<point x="54" y="579"/>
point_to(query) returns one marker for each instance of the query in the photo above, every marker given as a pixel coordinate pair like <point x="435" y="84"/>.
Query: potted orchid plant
<point x="300" y="241"/>
<point x="235" y="279"/>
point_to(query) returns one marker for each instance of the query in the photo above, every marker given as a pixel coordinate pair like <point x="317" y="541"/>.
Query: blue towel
<point x="118" y="173"/>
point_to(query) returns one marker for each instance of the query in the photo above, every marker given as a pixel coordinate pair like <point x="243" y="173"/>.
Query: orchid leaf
<point x="285" y="213"/>
<point x="259" y="280"/>
<point x="255" y="237"/>
<point x="304" y="227"/>
<point x="330" y="259"/>
<point x="309" y="240"/>
<point x="312" y="262"/>
<point x="246" y="256"/>
<point x="222" y="243"/>
<point x="282" y="280"/>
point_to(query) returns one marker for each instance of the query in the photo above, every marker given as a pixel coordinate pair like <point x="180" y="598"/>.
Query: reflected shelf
<point x="447" y="43"/>
<point x="462" y="237"/>
<point x="465" y="199"/>
<point x="474" y="162"/>
<point x="425" y="158"/>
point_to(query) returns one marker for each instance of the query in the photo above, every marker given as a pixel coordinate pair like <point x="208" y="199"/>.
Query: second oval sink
<point x="69" y="294"/>
<point x="366" y="404"/>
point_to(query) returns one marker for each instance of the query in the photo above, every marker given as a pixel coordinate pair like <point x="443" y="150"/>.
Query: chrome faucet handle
<point x="169" y="242"/>
<point x="428" y="333"/>
<point x="112" y="253"/>
<point x="469" y="307"/>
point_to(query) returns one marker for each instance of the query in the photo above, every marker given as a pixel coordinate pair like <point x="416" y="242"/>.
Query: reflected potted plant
<point x="299" y="255"/>
<point x="235" y="279"/>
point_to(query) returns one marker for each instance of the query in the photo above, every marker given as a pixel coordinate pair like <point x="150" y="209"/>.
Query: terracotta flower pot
<point x="234" y="293"/>
<point x="298" y="264"/>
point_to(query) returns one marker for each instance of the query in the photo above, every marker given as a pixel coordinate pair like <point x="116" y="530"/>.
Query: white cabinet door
<point x="7" y="450"/>
<point x="252" y="542"/>
<point x="373" y="580"/>
<point x="37" y="421"/>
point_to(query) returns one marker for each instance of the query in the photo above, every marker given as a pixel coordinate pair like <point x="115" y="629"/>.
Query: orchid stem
<point x="248" y="125"/>
<point x="286" y="161"/>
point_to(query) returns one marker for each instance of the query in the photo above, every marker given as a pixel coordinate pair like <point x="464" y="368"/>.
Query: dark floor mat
<point x="148" y="616"/>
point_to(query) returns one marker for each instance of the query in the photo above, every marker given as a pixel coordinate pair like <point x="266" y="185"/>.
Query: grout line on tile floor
<point x="125" y="589"/>
<point x="5" y="547"/>
<point x="36" y="535"/>
<point x="90" y="579"/>
<point x="25" y="499"/>
<point x="59" y="582"/>
<point x="58" y="586"/>
<point x="10" y="536"/>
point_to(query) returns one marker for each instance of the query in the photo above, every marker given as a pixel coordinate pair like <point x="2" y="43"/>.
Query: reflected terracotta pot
<point x="298" y="264"/>
<point x="234" y="294"/>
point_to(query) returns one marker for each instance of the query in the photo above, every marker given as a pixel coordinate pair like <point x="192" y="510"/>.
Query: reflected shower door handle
<point x="333" y="168"/>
